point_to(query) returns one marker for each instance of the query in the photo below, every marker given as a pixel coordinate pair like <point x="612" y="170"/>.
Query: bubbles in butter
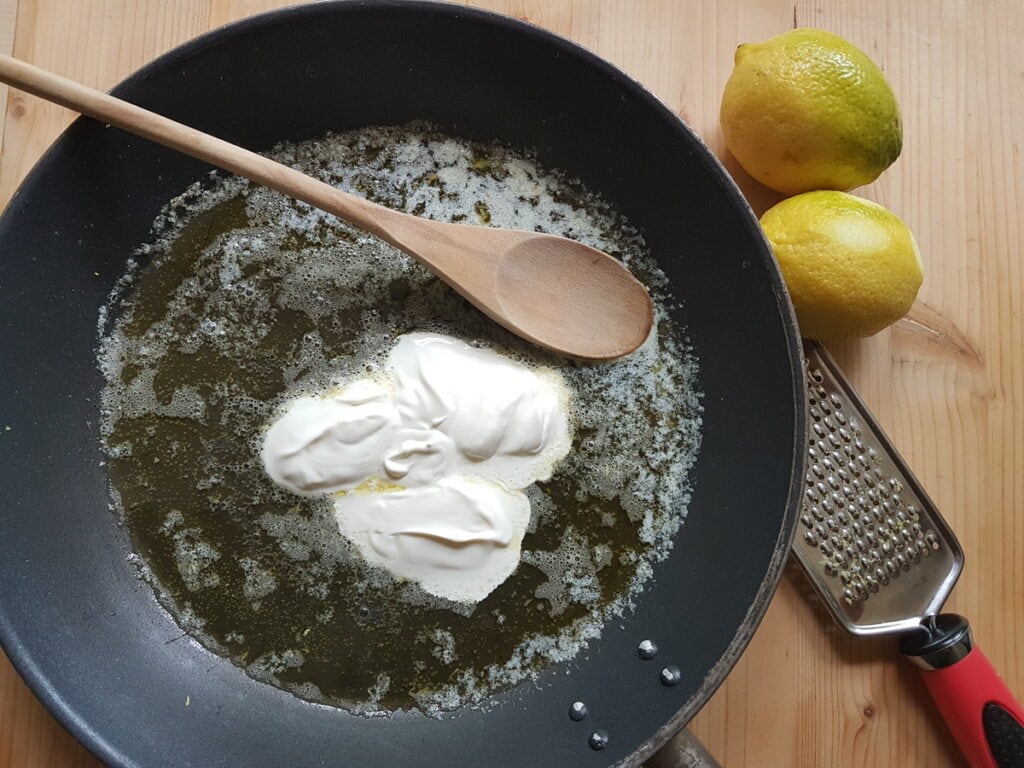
<point x="437" y="458"/>
<point x="245" y="301"/>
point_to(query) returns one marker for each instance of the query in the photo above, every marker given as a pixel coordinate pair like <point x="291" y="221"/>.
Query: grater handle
<point x="982" y="713"/>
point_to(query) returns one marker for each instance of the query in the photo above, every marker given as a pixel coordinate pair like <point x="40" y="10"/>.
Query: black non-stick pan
<point x="90" y="638"/>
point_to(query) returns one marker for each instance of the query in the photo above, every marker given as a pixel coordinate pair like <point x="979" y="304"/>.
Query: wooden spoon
<point x="555" y="292"/>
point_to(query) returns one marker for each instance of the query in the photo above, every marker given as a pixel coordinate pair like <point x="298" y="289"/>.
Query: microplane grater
<point x="877" y="550"/>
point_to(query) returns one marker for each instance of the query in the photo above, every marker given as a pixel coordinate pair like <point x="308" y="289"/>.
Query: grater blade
<point x="871" y="541"/>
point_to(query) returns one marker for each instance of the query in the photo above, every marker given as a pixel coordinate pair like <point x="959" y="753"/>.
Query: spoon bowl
<point x="602" y="320"/>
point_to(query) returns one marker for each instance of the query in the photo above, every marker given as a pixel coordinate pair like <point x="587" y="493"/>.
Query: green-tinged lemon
<point x="807" y="110"/>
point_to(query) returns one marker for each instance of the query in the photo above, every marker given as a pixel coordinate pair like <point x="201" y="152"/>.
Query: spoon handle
<point x="554" y="292"/>
<point x="223" y="154"/>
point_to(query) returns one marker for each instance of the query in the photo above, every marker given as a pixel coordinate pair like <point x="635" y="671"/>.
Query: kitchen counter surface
<point x="946" y="383"/>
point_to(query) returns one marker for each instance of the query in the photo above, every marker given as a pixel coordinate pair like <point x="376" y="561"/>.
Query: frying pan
<point x="90" y="638"/>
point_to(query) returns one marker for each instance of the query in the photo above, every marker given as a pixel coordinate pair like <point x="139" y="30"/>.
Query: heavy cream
<point x="428" y="467"/>
<point x="459" y="537"/>
<point x="326" y="444"/>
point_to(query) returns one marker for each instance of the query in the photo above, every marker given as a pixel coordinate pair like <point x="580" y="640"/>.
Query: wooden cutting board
<point x="947" y="383"/>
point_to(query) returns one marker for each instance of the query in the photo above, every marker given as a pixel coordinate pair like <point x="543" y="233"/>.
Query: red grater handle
<point x="984" y="716"/>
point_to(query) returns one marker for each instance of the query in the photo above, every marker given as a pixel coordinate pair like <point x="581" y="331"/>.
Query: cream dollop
<point x="459" y="538"/>
<point x="507" y="422"/>
<point x="326" y="444"/>
<point x="451" y="441"/>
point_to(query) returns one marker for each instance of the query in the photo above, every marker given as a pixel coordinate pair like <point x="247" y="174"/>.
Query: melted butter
<point x="247" y="300"/>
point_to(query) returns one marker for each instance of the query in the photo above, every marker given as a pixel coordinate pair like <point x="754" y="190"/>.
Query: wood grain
<point x="8" y="20"/>
<point x="947" y="383"/>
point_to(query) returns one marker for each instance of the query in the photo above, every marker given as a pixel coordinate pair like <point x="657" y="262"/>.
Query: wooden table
<point x="947" y="383"/>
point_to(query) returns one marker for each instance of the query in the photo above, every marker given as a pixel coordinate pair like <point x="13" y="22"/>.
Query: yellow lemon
<point x="852" y="267"/>
<point x="807" y="110"/>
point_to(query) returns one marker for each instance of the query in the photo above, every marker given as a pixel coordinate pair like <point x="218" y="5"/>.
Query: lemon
<point x="807" y="110"/>
<point x="852" y="267"/>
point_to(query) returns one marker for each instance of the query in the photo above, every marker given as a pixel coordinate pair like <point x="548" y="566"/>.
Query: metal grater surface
<point x="869" y="538"/>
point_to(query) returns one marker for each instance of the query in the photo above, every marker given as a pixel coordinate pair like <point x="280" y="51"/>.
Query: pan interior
<point x="250" y="299"/>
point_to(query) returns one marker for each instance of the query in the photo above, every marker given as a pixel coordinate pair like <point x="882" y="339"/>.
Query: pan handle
<point x="985" y="718"/>
<point x="683" y="751"/>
